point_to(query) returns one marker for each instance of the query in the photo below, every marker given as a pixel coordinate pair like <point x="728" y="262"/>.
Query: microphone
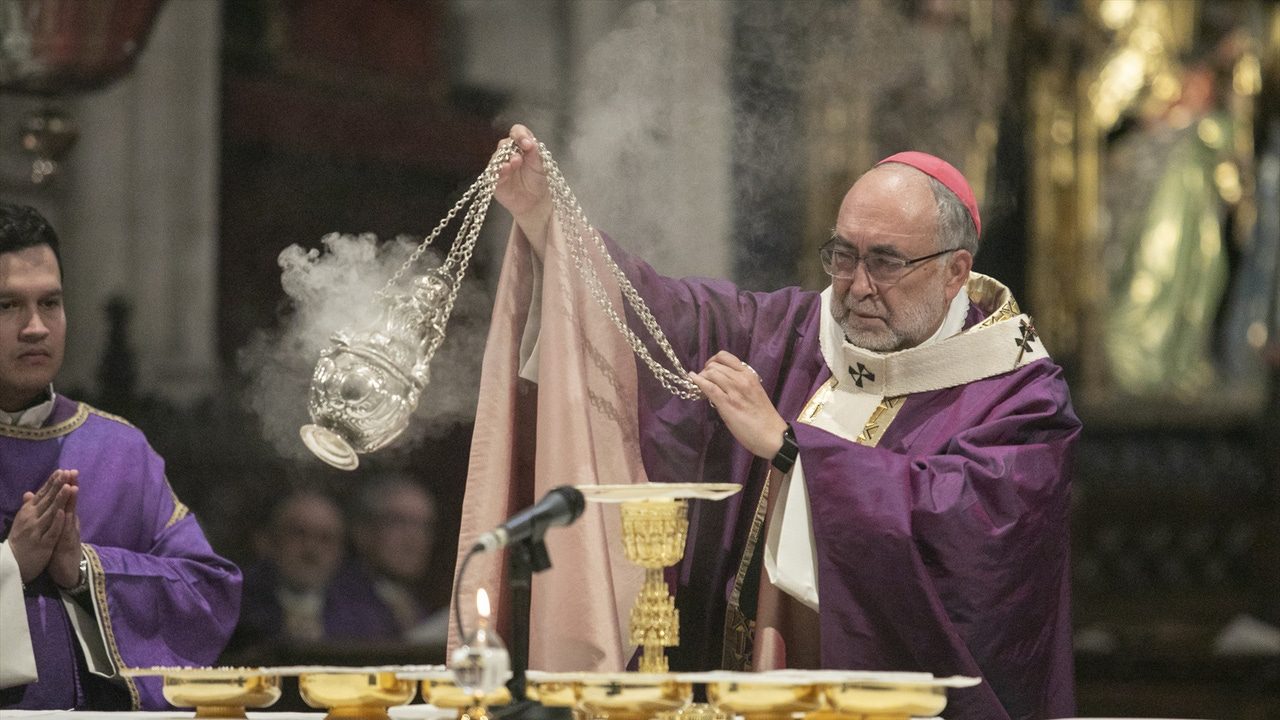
<point x="561" y="506"/>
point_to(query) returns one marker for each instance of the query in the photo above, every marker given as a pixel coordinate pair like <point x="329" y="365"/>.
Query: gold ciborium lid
<point x="215" y="692"/>
<point x="353" y="693"/>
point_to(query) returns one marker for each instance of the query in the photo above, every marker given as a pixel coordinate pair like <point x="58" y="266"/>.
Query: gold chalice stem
<point x="654" y="534"/>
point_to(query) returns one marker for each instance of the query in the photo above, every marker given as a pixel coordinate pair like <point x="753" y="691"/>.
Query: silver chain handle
<point x="573" y="221"/>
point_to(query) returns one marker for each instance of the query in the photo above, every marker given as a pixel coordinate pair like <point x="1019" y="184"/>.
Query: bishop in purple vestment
<point x="101" y="566"/>
<point x="905" y="430"/>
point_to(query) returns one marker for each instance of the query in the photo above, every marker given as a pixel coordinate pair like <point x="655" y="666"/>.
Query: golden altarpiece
<point x="1134" y="119"/>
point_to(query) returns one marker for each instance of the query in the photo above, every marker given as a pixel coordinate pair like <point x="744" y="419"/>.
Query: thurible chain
<point x="573" y="221"/>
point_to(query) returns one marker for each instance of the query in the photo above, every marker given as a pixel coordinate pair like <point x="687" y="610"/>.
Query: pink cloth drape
<point x="585" y="434"/>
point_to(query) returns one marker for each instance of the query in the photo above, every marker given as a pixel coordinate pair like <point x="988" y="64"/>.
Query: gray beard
<point x="903" y="330"/>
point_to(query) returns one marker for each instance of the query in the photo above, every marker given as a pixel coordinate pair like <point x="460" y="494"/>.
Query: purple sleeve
<point x="947" y="551"/>
<point x="701" y="317"/>
<point x="169" y="599"/>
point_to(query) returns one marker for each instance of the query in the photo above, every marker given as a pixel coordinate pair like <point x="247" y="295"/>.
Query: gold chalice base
<point x="764" y="700"/>
<point x="355" y="696"/>
<point x="215" y="692"/>
<point x="632" y="696"/>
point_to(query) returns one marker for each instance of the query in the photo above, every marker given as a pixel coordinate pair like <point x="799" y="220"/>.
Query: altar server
<point x="101" y="565"/>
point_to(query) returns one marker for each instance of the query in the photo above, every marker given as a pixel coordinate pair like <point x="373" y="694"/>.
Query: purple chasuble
<point x="943" y="549"/>
<point x="163" y="596"/>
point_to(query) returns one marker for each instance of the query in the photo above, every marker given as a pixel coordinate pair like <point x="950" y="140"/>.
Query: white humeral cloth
<point x="585" y="435"/>
<point x="862" y="380"/>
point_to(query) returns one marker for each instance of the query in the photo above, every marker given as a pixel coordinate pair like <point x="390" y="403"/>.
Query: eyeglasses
<point x="881" y="268"/>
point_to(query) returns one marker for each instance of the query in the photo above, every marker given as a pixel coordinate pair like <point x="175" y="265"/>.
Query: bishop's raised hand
<point x="523" y="190"/>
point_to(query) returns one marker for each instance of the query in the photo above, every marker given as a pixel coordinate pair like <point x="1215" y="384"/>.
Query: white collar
<point x="951" y="356"/>
<point x="33" y="417"/>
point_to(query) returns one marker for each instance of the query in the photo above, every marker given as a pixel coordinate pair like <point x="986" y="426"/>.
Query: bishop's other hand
<point x="734" y="390"/>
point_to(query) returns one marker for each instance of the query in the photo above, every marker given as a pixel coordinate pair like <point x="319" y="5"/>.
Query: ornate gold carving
<point x="653" y="536"/>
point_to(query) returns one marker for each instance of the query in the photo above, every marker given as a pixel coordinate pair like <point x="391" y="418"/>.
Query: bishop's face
<point x="891" y="211"/>
<point x="33" y="325"/>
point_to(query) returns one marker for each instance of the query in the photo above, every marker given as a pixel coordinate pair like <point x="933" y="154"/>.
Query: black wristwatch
<point x="788" y="453"/>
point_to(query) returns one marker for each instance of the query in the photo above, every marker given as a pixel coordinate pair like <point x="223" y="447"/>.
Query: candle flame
<point x="482" y="604"/>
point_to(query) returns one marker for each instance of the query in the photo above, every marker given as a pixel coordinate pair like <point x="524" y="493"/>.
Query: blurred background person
<point x="288" y="596"/>
<point x="393" y="534"/>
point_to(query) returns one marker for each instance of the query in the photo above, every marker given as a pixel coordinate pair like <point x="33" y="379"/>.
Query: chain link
<point x="573" y="221"/>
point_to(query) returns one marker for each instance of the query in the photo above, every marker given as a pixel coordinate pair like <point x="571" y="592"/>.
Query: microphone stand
<point x="524" y="558"/>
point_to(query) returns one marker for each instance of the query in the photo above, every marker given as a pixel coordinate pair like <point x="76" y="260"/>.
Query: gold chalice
<point x="354" y="693"/>
<point x="655" y="525"/>
<point x="215" y="692"/>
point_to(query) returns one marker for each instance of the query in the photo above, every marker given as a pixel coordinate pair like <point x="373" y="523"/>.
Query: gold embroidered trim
<point x="880" y="418"/>
<point x="52" y="431"/>
<point x="739" y="630"/>
<point x="820" y="398"/>
<point x="108" y="415"/>
<point x="180" y="510"/>
<point x="98" y="582"/>
<point x="986" y="292"/>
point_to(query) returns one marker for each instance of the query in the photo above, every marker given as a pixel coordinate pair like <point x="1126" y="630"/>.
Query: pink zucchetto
<point x="945" y="173"/>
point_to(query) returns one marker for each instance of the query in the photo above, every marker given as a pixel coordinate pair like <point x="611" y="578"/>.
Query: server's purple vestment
<point x="943" y="549"/>
<point x="163" y="595"/>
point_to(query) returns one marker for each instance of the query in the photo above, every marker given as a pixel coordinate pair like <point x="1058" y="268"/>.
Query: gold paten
<point x="355" y="696"/>
<point x="215" y="692"/>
